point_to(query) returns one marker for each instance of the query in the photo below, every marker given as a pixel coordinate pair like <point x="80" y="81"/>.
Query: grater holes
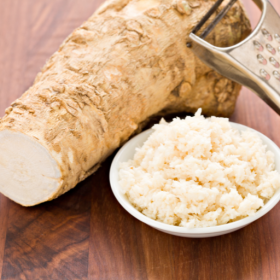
<point x="277" y="37"/>
<point x="261" y="59"/>
<point x="267" y="73"/>
<point x="267" y="35"/>
<point x="258" y="46"/>
<point x="270" y="49"/>
<point x="274" y="62"/>
<point x="276" y="74"/>
<point x="264" y="74"/>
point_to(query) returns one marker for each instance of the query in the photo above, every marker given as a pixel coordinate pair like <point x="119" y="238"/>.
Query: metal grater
<point x="254" y="62"/>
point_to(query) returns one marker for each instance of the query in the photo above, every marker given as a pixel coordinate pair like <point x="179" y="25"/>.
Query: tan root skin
<point x="129" y="61"/>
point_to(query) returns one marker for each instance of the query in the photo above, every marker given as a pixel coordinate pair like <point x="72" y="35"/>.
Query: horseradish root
<point x="129" y="61"/>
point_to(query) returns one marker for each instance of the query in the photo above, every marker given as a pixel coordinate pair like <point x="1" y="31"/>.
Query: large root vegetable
<point x="128" y="62"/>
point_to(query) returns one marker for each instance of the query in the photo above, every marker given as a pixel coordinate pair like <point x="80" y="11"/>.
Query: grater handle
<point x="240" y="64"/>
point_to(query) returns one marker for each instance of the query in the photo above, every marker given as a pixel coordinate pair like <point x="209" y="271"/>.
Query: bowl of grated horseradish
<point x="197" y="177"/>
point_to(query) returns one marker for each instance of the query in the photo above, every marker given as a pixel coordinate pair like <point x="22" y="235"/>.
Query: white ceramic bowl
<point x="127" y="152"/>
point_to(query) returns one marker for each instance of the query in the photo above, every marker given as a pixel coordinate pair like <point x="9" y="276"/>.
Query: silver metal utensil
<point x="254" y="62"/>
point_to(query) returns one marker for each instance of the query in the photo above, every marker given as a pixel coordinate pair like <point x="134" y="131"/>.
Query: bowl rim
<point x="114" y="173"/>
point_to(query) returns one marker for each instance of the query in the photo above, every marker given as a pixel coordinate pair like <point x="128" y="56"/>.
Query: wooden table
<point x="86" y="234"/>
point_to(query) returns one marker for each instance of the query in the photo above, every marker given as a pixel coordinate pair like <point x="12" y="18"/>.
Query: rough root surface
<point x="129" y="61"/>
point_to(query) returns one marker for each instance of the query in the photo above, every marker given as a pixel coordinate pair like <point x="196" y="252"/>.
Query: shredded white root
<point x="199" y="172"/>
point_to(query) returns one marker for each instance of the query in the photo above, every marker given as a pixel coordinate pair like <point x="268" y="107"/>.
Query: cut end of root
<point x="28" y="173"/>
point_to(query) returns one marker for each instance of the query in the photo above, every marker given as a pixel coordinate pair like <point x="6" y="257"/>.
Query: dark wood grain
<point x="86" y="234"/>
